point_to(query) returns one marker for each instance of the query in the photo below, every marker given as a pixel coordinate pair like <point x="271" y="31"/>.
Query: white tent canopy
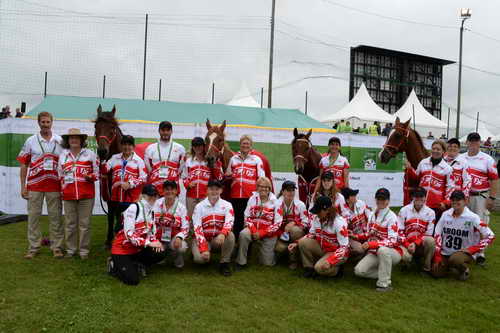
<point x="244" y="98"/>
<point x="361" y="107"/>
<point x="422" y="117"/>
<point x="483" y="132"/>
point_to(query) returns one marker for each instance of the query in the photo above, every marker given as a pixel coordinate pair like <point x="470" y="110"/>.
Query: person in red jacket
<point x="78" y="170"/>
<point x="128" y="175"/>
<point x="263" y="218"/>
<point x="326" y="247"/>
<point x="436" y="177"/>
<point x="244" y="169"/>
<point x="136" y="246"/>
<point x="335" y="163"/>
<point x="196" y="174"/>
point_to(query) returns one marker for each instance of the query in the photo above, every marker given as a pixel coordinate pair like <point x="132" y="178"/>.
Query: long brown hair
<point x="332" y="193"/>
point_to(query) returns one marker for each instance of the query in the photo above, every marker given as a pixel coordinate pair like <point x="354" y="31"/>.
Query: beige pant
<point x="54" y="207"/>
<point x="267" y="245"/>
<point x="378" y="266"/>
<point x="77" y="214"/>
<point x="477" y="204"/>
<point x="425" y="250"/>
<point x="190" y="204"/>
<point x="178" y="254"/>
<point x="281" y="247"/>
<point x="226" y="250"/>
<point x="458" y="261"/>
<point x="313" y="256"/>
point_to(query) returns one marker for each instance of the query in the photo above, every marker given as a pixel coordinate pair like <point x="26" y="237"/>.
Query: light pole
<point x="465" y="13"/>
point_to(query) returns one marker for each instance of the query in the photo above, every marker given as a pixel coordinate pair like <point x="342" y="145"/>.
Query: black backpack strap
<point x="137" y="211"/>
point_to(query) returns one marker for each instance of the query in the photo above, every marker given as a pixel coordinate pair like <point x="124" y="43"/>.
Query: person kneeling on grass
<point x="326" y="247"/>
<point x="382" y="243"/>
<point x="356" y="213"/>
<point x="172" y="223"/>
<point x="416" y="227"/>
<point x="136" y="245"/>
<point x="213" y="220"/>
<point x="263" y="218"/>
<point x="295" y="222"/>
<point x="456" y="240"/>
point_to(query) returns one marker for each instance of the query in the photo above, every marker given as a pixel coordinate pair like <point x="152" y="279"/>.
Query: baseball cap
<point x="334" y="139"/>
<point x="323" y="202"/>
<point x="128" y="139"/>
<point x="383" y="194"/>
<point x="453" y="141"/>
<point x="214" y="182"/>
<point x="348" y="192"/>
<point x="150" y="190"/>
<point x="474" y="136"/>
<point x="169" y="184"/>
<point x="165" y="125"/>
<point x="288" y="185"/>
<point x="457" y="195"/>
<point x="419" y="192"/>
<point x="197" y="141"/>
<point x="327" y="175"/>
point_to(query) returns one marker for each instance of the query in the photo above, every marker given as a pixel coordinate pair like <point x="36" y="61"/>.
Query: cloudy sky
<point x="194" y="43"/>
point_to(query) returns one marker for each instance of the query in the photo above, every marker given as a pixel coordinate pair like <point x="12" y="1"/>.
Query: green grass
<point x="69" y="295"/>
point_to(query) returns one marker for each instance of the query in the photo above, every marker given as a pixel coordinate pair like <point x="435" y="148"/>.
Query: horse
<point x="108" y="136"/>
<point x="219" y="150"/>
<point x="403" y="138"/>
<point x="305" y="164"/>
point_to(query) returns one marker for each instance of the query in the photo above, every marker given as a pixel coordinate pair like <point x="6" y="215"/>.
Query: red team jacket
<point x="337" y="167"/>
<point x="197" y="173"/>
<point x="482" y="169"/>
<point x="172" y="222"/>
<point x="415" y="225"/>
<point x="332" y="237"/>
<point x="265" y="218"/>
<point x="244" y="174"/>
<point x="296" y="213"/>
<point x="72" y="171"/>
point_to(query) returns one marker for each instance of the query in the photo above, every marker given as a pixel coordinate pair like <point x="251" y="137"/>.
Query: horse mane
<point x="419" y="139"/>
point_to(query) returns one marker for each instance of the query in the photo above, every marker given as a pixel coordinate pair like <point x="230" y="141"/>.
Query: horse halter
<point x="406" y="135"/>
<point x="299" y="156"/>
<point x="108" y="140"/>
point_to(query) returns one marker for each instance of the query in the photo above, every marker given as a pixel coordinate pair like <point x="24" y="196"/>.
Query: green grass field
<point x="69" y="295"/>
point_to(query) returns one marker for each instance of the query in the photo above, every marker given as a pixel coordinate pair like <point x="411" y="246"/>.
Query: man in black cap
<point x="382" y="242"/>
<point x="164" y="159"/>
<point x="457" y="243"/>
<point x="483" y="171"/>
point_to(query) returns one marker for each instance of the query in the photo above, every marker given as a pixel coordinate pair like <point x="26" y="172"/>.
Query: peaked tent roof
<point x="422" y="117"/>
<point x="483" y="132"/>
<point x="84" y="108"/>
<point x="362" y="107"/>
<point x="244" y="98"/>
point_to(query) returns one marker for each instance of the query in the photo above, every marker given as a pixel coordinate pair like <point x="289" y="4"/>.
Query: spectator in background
<point x="488" y="143"/>
<point x="387" y="129"/>
<point x="374" y="129"/>
<point x="364" y="129"/>
<point x="340" y="127"/>
<point x="430" y="136"/>
<point x="5" y="112"/>
<point x="443" y="137"/>
<point x="19" y="114"/>
<point x="336" y="125"/>
<point x="348" y="127"/>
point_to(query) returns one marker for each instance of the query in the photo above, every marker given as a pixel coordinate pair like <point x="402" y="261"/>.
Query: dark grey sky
<point x="194" y="43"/>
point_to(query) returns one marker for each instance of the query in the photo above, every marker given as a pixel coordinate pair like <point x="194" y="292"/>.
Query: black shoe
<point x="309" y="273"/>
<point x="239" y="267"/>
<point x="225" y="269"/>
<point x="340" y="273"/>
<point x="481" y="261"/>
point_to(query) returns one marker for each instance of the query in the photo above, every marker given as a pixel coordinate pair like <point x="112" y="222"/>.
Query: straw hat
<point x="74" y="132"/>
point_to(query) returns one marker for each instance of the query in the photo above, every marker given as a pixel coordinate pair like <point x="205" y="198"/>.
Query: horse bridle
<point x="406" y="135"/>
<point x="302" y="157"/>
<point x="108" y="140"/>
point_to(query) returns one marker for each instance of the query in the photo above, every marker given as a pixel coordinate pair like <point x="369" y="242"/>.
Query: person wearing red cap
<point x="164" y="159"/>
<point x="326" y="247"/>
<point x="456" y="241"/>
<point x="382" y="242"/>
<point x="483" y="171"/>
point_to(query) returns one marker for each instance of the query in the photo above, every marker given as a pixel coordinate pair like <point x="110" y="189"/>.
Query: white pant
<point x="477" y="204"/>
<point x="378" y="266"/>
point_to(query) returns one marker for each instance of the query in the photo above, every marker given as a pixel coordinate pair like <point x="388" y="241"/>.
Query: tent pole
<point x="159" y="91"/>
<point x="261" y="97"/>
<point x="306" y="101"/>
<point x="271" y="50"/>
<point x="414" y="122"/>
<point x="45" y="86"/>
<point x="477" y="122"/>
<point x="213" y="92"/>
<point x="104" y="86"/>
<point x="145" y="53"/>
<point x="448" y="125"/>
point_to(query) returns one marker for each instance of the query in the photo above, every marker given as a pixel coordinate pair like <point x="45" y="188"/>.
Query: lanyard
<point x="169" y="152"/>
<point x="330" y="163"/>
<point x="41" y="147"/>
<point x="74" y="160"/>
<point x="175" y="207"/>
<point x="383" y="217"/>
<point x="124" y="166"/>
<point x="149" y="226"/>
<point x="288" y="209"/>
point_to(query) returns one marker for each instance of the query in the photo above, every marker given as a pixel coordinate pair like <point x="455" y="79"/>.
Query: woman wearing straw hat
<point x="78" y="170"/>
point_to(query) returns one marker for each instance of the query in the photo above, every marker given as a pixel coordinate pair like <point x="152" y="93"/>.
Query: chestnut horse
<point x="404" y="139"/>
<point x="218" y="149"/>
<point x="305" y="164"/>
<point x="108" y="136"/>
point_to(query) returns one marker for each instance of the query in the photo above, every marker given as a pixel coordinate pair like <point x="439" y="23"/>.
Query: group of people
<point x="445" y="225"/>
<point x="5" y="113"/>
<point x="374" y="129"/>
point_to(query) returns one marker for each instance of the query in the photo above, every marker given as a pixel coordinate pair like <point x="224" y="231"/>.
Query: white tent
<point x="424" y="121"/>
<point x="244" y="98"/>
<point x="362" y="108"/>
<point x="483" y="132"/>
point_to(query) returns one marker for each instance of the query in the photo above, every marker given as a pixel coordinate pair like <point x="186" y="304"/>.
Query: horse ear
<point x="295" y="132"/>
<point x="99" y="109"/>
<point x="223" y="126"/>
<point x="209" y="125"/>
<point x="397" y="121"/>
<point x="113" y="111"/>
<point x="407" y="123"/>
<point x="308" y="135"/>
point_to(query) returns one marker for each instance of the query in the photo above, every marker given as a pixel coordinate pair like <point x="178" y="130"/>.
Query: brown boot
<point x="58" y="254"/>
<point x="30" y="254"/>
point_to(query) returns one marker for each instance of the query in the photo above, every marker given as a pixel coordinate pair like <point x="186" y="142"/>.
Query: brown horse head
<point x="215" y="142"/>
<point x="397" y="141"/>
<point x="301" y="149"/>
<point x="107" y="133"/>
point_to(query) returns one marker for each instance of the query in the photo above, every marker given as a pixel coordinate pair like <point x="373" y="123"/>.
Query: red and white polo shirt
<point x="336" y="166"/>
<point x="482" y="169"/>
<point x="72" y="172"/>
